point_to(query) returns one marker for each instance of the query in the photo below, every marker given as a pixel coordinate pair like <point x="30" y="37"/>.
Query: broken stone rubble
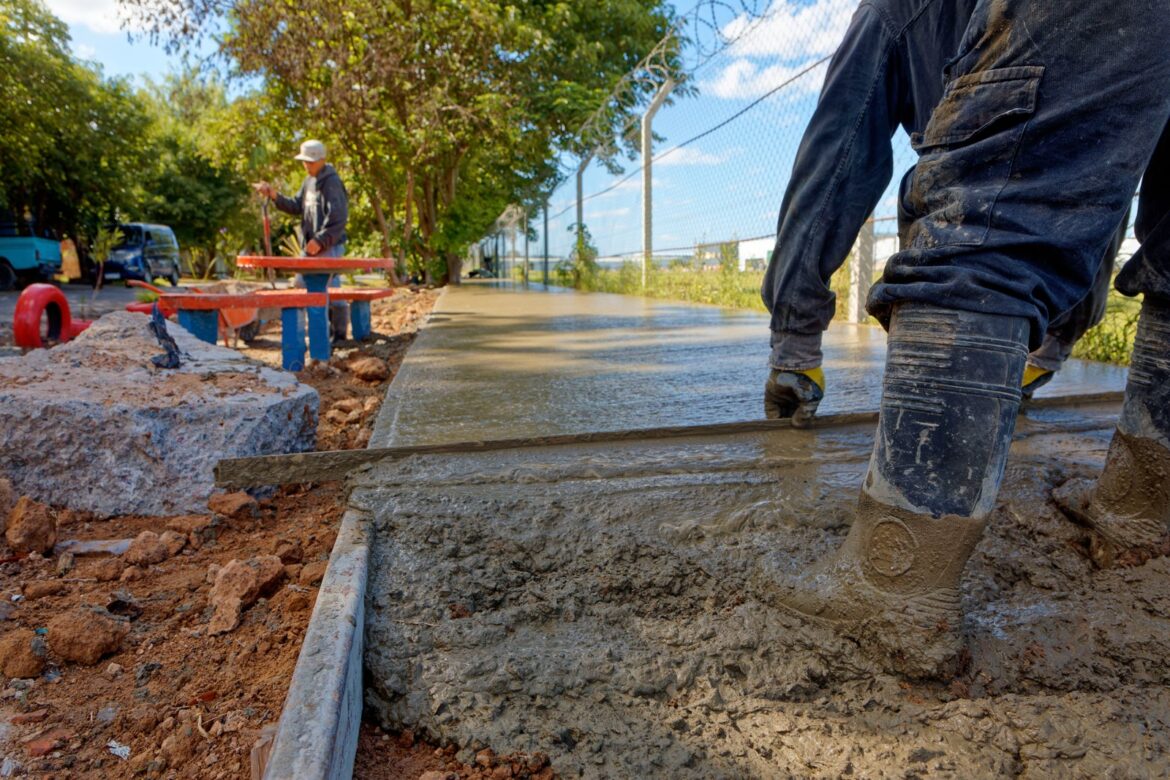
<point x="93" y="425"/>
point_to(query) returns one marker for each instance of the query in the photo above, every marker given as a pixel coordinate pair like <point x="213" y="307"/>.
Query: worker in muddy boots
<point x="323" y="206"/>
<point x="1026" y="167"/>
<point x="886" y="74"/>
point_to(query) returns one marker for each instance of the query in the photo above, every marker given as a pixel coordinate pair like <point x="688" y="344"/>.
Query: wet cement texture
<point x="590" y="601"/>
<point x="500" y="362"/>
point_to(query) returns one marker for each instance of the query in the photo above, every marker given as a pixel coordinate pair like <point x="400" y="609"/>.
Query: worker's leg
<point x="1026" y="170"/>
<point x="1030" y="160"/>
<point x="933" y="478"/>
<point x="338" y="310"/>
<point x="1129" y="505"/>
<point x="1067" y="329"/>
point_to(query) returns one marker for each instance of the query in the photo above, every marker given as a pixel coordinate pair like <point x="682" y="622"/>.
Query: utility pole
<point x="861" y="272"/>
<point x="546" y="242"/>
<point x="525" y="247"/>
<point x="648" y="176"/>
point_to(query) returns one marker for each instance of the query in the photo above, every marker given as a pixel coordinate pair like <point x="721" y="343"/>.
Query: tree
<point x="446" y="110"/>
<point x="202" y="198"/>
<point x="70" y="141"/>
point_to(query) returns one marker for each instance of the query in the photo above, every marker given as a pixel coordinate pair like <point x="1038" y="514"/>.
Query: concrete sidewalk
<point x="498" y="361"/>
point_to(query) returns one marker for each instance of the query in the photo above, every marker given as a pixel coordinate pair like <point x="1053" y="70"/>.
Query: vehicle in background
<point x="26" y="256"/>
<point x="147" y="252"/>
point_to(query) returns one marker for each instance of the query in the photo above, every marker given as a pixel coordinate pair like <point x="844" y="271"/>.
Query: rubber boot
<point x="1128" y="508"/>
<point x="949" y="402"/>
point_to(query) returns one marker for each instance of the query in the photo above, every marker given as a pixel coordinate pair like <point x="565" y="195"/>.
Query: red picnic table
<point x="199" y="314"/>
<point x="317" y="272"/>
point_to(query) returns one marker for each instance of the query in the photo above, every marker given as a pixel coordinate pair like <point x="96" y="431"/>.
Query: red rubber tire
<point x="31" y="306"/>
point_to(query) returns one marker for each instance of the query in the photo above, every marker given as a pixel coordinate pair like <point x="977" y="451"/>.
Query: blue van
<point x="26" y="256"/>
<point x="146" y="253"/>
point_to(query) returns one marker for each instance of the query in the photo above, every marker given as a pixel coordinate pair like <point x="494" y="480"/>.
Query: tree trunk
<point x="454" y="268"/>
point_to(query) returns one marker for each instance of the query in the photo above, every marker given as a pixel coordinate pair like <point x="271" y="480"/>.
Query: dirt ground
<point x="185" y="703"/>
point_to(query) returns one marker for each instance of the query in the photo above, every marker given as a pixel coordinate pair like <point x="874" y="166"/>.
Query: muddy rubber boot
<point x="949" y="402"/>
<point x="1128" y="508"/>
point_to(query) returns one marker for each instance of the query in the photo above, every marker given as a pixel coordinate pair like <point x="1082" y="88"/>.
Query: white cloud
<point x="84" y="51"/>
<point x="689" y="155"/>
<point x="100" y="16"/>
<point x="744" y="79"/>
<point x="771" y="51"/>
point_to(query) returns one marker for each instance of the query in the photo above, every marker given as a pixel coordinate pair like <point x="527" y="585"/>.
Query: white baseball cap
<point x="311" y="151"/>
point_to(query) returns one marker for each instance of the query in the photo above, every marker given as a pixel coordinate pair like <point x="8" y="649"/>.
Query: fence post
<point x="546" y="242"/>
<point x="648" y="177"/>
<point x="581" y="196"/>
<point x="861" y="272"/>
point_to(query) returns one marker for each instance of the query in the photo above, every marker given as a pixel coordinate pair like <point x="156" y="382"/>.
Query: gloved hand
<point x="1034" y="379"/>
<point x="794" y="394"/>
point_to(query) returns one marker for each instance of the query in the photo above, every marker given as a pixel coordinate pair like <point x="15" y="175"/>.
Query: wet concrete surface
<point x="591" y="601"/>
<point x="498" y="361"/>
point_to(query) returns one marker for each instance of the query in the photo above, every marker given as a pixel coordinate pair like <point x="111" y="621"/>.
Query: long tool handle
<point x="271" y="272"/>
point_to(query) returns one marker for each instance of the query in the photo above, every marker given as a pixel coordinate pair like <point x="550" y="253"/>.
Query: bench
<point x="359" y="306"/>
<point x="199" y="314"/>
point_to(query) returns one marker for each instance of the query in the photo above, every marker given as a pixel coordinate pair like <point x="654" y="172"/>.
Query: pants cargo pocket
<point x="966" y="154"/>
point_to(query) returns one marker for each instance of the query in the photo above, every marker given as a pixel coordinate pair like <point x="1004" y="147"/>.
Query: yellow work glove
<point x="1034" y="379"/>
<point x="795" y="394"/>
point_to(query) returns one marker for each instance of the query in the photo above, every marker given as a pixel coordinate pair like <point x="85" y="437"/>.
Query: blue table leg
<point x="319" y="346"/>
<point x="359" y="315"/>
<point x="203" y="325"/>
<point x="292" y="340"/>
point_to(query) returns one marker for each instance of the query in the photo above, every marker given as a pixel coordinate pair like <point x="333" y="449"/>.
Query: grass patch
<point x="1111" y="341"/>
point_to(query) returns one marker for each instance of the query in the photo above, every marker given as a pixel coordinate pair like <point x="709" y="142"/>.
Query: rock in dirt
<point x="64" y="563"/>
<point x="84" y="635"/>
<point x="313" y="573"/>
<point x="237" y="586"/>
<point x="233" y="506"/>
<point x="108" y="570"/>
<point x="370" y="369"/>
<point x="174" y="542"/>
<point x="32" y="526"/>
<point x="18" y="658"/>
<point x="159" y="433"/>
<point x="38" y="589"/>
<point x="289" y="551"/>
<point x="199" y="529"/>
<point x="147" y="549"/>
<point x="7" y="501"/>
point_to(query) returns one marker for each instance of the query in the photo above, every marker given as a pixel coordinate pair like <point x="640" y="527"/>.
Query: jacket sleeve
<point x="335" y="208"/>
<point x="842" y="167"/>
<point x="294" y="205"/>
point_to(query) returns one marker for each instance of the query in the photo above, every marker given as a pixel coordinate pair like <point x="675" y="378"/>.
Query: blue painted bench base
<point x="203" y="325"/>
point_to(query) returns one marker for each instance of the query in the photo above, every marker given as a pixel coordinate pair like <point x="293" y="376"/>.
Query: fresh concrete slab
<point x="595" y="602"/>
<point x="499" y="362"/>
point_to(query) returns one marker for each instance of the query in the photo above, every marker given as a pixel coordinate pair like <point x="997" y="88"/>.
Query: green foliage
<point x="104" y="241"/>
<point x="580" y="269"/>
<point x="69" y="140"/>
<point x="440" y="112"/>
<point x="203" y="199"/>
<point x="1111" y="340"/>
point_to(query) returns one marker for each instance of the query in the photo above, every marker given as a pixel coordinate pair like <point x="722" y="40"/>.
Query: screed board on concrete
<point x="498" y="362"/>
<point x="596" y="602"/>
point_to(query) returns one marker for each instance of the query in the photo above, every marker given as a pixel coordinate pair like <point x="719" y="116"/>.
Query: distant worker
<point x="1027" y="166"/>
<point x="323" y="206"/>
<point x="886" y="73"/>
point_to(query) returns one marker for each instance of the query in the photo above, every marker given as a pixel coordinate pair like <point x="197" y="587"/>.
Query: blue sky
<point x="98" y="36"/>
<point x="726" y="185"/>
